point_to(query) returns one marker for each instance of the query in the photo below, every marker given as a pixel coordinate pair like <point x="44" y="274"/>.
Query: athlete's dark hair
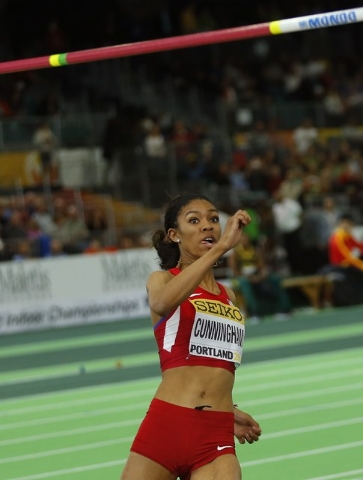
<point x="167" y="250"/>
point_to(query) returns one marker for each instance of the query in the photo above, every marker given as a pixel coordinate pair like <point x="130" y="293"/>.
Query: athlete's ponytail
<point x="168" y="251"/>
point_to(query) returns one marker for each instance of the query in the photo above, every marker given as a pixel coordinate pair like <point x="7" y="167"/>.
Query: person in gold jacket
<point x="345" y="264"/>
<point x="344" y="248"/>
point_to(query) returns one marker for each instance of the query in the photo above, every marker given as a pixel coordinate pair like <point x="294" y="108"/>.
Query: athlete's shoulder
<point x="229" y="292"/>
<point x="159" y="277"/>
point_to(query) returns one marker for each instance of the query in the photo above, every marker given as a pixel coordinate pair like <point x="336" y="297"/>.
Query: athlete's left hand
<point x="246" y="429"/>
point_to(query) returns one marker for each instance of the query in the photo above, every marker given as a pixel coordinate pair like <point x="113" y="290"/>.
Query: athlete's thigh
<point x="225" y="466"/>
<point x="141" y="468"/>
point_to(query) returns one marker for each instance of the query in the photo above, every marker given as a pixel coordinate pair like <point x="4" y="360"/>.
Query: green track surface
<point x="71" y="399"/>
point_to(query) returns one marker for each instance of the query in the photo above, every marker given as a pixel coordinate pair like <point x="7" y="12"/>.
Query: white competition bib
<point x="218" y="331"/>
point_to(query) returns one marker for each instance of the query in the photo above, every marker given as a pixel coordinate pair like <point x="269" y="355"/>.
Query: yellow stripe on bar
<point x="275" y="28"/>
<point x="54" y="60"/>
<point x="58" y="60"/>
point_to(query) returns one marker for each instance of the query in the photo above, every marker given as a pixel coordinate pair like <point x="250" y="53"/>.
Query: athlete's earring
<point x="178" y="241"/>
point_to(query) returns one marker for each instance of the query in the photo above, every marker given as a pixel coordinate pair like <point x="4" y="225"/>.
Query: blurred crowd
<point x="295" y="184"/>
<point x="33" y="225"/>
<point x="302" y="190"/>
<point x="262" y="161"/>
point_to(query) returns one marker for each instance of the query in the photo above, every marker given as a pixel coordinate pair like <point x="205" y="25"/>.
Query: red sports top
<point x="341" y="247"/>
<point x="206" y="330"/>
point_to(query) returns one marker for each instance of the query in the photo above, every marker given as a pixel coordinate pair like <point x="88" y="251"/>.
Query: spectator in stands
<point x="238" y="183"/>
<point x="218" y="174"/>
<point x="346" y="263"/>
<point x="194" y="169"/>
<point x="350" y="179"/>
<point x="29" y="202"/>
<point x="43" y="217"/>
<point x="256" y="175"/>
<point x="230" y="100"/>
<point x="59" y="231"/>
<point x="199" y="133"/>
<point x="274" y="178"/>
<point x="5" y="106"/>
<point x="96" y="222"/>
<point x="181" y="138"/>
<point x="354" y="96"/>
<point x="253" y="229"/>
<point x="55" y="37"/>
<point x="329" y="215"/>
<point x="24" y="250"/>
<point x="72" y="231"/>
<point x="188" y="19"/>
<point x="46" y="142"/>
<point x="253" y="278"/>
<point x="305" y="135"/>
<point x="318" y="225"/>
<point x="118" y="135"/>
<point x="155" y="143"/>
<point x="56" y="249"/>
<point x="96" y="246"/>
<point x="59" y="207"/>
<point x="351" y="129"/>
<point x="344" y="249"/>
<point x="259" y="140"/>
<point x="39" y="239"/>
<point x="288" y="215"/>
<point x="14" y="231"/>
<point x="293" y="183"/>
<point x="34" y="232"/>
<point x="4" y="254"/>
<point x="5" y="214"/>
<point x="293" y="79"/>
<point x="50" y="104"/>
<point x="128" y="241"/>
<point x="334" y="106"/>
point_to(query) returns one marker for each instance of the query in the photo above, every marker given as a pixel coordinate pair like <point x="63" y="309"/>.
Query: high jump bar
<point x="277" y="27"/>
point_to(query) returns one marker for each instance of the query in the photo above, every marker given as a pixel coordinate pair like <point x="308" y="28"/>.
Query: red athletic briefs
<point x="183" y="439"/>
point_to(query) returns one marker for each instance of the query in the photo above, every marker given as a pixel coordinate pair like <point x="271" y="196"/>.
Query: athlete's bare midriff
<point x="197" y="386"/>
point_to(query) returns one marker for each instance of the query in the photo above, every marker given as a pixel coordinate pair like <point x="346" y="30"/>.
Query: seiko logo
<point x="214" y="307"/>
